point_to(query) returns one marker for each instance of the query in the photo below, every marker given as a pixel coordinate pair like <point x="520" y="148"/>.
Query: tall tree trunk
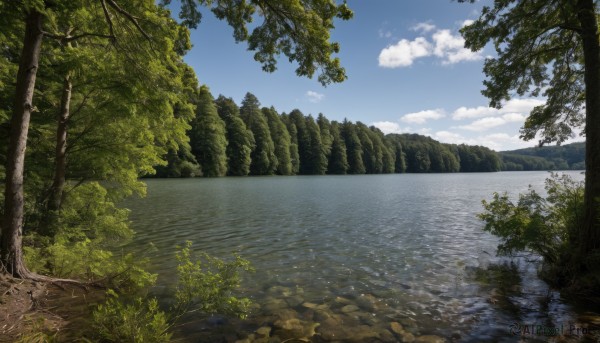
<point x="590" y="231"/>
<point x="11" y="254"/>
<point x="48" y="225"/>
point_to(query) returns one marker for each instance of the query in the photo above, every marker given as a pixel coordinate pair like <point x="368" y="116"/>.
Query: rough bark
<point x="60" y="160"/>
<point x="590" y="231"/>
<point x="61" y="147"/>
<point x="12" y="229"/>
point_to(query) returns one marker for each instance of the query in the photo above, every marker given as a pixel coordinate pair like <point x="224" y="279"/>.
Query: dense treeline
<point x="562" y="157"/>
<point x="252" y="140"/>
<point x="249" y="140"/>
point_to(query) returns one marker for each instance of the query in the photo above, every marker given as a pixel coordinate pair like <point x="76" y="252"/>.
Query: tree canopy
<point x="298" y="29"/>
<point x="550" y="48"/>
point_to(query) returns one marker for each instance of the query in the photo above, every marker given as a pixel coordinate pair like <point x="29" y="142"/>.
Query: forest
<point x="227" y="139"/>
<point x="558" y="157"/>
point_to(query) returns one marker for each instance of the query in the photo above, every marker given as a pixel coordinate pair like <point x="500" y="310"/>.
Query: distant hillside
<point x="569" y="156"/>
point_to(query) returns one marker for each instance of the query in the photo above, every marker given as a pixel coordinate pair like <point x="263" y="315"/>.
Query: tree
<point x="299" y="30"/>
<point x="281" y="140"/>
<point x="294" y="154"/>
<point x="316" y="161"/>
<point x="326" y="137"/>
<point x="338" y="160"/>
<point x="395" y="142"/>
<point x="240" y="139"/>
<point x="549" y="48"/>
<point x="354" y="148"/>
<point x="207" y="136"/>
<point x="264" y="161"/>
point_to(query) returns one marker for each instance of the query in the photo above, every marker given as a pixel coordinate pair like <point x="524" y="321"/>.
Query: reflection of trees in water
<point x="518" y="298"/>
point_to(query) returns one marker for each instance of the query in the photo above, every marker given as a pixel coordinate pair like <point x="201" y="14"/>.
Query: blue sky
<point x="407" y="72"/>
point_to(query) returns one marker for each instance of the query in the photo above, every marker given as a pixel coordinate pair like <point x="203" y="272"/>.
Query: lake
<point x="363" y="258"/>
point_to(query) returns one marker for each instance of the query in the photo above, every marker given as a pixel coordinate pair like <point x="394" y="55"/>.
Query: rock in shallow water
<point x="294" y="328"/>
<point x="264" y="331"/>
<point x="397" y="328"/>
<point x="349" y="308"/>
<point x="407" y="337"/>
<point x="294" y="301"/>
<point x="429" y="339"/>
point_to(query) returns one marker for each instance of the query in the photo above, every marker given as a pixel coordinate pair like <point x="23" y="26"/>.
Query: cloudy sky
<point x="408" y="72"/>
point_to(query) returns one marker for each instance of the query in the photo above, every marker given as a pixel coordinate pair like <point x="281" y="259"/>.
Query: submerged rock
<point x="349" y="308"/>
<point x="294" y="328"/>
<point x="342" y="301"/>
<point x="367" y="302"/>
<point x="429" y="339"/>
<point x="294" y="301"/>
<point x="274" y="304"/>
<point x="397" y="328"/>
<point x="264" y="331"/>
<point x="309" y="305"/>
<point x="286" y="314"/>
<point x="407" y="337"/>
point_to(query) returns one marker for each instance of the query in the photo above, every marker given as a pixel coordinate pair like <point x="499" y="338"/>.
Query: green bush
<point x="534" y="224"/>
<point x="88" y="229"/>
<point x="205" y="285"/>
<point x="137" y="322"/>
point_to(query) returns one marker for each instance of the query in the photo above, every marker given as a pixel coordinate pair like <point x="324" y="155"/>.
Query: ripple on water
<point x="411" y="242"/>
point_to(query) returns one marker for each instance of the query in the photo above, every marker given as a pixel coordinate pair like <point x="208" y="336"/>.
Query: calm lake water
<point x="368" y="258"/>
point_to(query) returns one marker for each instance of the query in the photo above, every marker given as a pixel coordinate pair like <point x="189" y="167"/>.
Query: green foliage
<point x="478" y="159"/>
<point x="281" y="141"/>
<point x="207" y="136"/>
<point x="240" y="139"/>
<point x="140" y="321"/>
<point x="298" y="29"/>
<point x="338" y="159"/>
<point x="264" y="161"/>
<point x="354" y="148"/>
<point x="181" y="163"/>
<point x="545" y="226"/>
<point x="89" y="228"/>
<point x="562" y="157"/>
<point x="294" y="153"/>
<point x="38" y="333"/>
<point x="205" y="285"/>
<point x="539" y="52"/>
<point x="311" y="148"/>
<point x="523" y="162"/>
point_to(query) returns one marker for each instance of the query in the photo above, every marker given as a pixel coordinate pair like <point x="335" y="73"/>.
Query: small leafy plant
<point x="205" y="285"/>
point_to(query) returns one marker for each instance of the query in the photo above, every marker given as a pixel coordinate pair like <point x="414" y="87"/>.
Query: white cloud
<point x="473" y="112"/>
<point x="390" y="127"/>
<point x="444" y="44"/>
<point x="466" y="23"/>
<point x="503" y="141"/>
<point x="513" y="117"/>
<point x="494" y="141"/>
<point x="513" y="106"/>
<point x="451" y="48"/>
<point x="449" y="137"/>
<point x="484" y="124"/>
<point x="423" y="116"/>
<point x="314" y="97"/>
<point x="521" y="105"/>
<point x="423" y="27"/>
<point x="403" y="53"/>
